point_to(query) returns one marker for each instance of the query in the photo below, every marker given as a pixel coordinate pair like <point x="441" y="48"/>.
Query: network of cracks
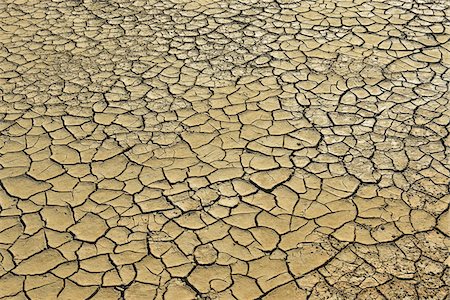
<point x="201" y="149"/>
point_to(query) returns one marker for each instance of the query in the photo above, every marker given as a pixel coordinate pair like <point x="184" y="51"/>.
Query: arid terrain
<point x="233" y="149"/>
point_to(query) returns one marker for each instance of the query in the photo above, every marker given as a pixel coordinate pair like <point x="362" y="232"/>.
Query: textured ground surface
<point x="256" y="149"/>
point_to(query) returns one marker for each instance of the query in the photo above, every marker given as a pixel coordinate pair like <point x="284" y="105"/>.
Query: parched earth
<point x="253" y="149"/>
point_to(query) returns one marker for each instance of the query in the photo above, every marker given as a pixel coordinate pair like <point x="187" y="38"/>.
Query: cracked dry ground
<point x="181" y="149"/>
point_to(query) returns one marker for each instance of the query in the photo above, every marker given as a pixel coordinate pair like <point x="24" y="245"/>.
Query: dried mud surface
<point x="182" y="149"/>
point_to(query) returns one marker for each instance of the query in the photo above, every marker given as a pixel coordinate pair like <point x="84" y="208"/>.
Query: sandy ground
<point x="270" y="149"/>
